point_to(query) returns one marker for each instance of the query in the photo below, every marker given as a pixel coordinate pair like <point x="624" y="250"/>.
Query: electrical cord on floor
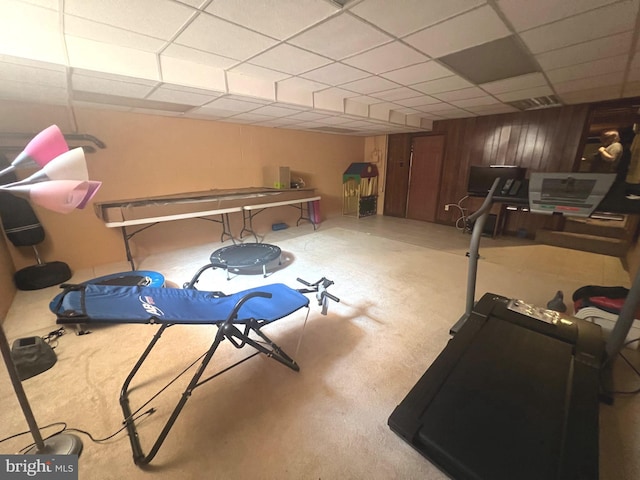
<point x="461" y="222"/>
<point x="65" y="428"/>
<point x="633" y="367"/>
<point x="52" y="337"/>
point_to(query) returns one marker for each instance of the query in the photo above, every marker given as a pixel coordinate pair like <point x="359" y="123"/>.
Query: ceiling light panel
<point x="347" y="36"/>
<point x="472" y="28"/>
<point x="277" y="18"/>
<point x="478" y="64"/>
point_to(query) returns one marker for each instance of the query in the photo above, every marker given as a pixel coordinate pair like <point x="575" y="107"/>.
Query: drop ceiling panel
<point x="586" y="52"/>
<point x="177" y="94"/>
<point x="335" y="73"/>
<point x="444" y="84"/>
<point x="415" y="14"/>
<point x="289" y="59"/>
<point x="588" y="69"/>
<point x="525" y="14"/>
<point x="245" y="43"/>
<point x="188" y="54"/>
<point x="472" y="28"/>
<point x="219" y="59"/>
<point x="418" y="73"/>
<point x="31" y="32"/>
<point x="277" y="18"/>
<point x="614" y="19"/>
<point x="156" y="18"/>
<point x="81" y="27"/>
<point x="341" y="37"/>
<point x="391" y="56"/>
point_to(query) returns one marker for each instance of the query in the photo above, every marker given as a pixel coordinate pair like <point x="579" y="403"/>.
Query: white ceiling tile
<point x="33" y="92"/>
<point x="226" y="104"/>
<point x="613" y="19"/>
<point x="339" y="37"/>
<point x="337" y="120"/>
<point x="454" y="113"/>
<point x="292" y="94"/>
<point x="473" y="28"/>
<point x="613" y="79"/>
<point x="289" y="59"/>
<point x="365" y="99"/>
<point x="586" y="52"/>
<point x="586" y="96"/>
<point x="92" y="55"/>
<point x="471" y="92"/>
<point x="181" y="52"/>
<point x="249" y="117"/>
<point x="415" y="14"/>
<point x="369" y="85"/>
<point x="242" y="98"/>
<point x="303" y="84"/>
<point x="50" y="4"/>
<point x="33" y="72"/>
<point x="492" y="109"/>
<point x="434" y="107"/>
<point x="184" y="72"/>
<point x="417" y="101"/>
<point x="444" y="84"/>
<point x="156" y="18"/>
<point x="391" y="56"/>
<point x="31" y="32"/>
<point x="100" y="106"/>
<point x="229" y="40"/>
<point x="418" y="73"/>
<point x="273" y="111"/>
<point x="276" y="18"/>
<point x="589" y="69"/>
<point x="525" y="14"/>
<point x="476" y="102"/>
<point x="80" y="27"/>
<point x="185" y="96"/>
<point x="255" y="71"/>
<point x="394" y="94"/>
<point x="523" y="94"/>
<point x="335" y="74"/>
<point x="515" y="83"/>
<point x="307" y="116"/>
<point x="111" y="85"/>
<point x="328" y="100"/>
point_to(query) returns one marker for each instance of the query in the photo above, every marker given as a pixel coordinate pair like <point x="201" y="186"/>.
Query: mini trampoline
<point x="245" y="256"/>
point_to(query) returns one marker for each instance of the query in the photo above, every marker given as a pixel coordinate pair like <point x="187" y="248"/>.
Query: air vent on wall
<point x="536" y="103"/>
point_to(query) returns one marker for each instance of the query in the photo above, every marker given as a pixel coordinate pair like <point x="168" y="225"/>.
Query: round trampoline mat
<point x="245" y="255"/>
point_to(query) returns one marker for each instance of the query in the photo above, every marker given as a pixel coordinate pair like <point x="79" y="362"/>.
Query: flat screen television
<point x="481" y="177"/>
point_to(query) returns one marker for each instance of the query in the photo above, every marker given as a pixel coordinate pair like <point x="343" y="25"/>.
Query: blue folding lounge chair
<point x="236" y="316"/>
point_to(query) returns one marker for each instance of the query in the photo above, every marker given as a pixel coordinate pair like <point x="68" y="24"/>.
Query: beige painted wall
<point x="150" y="155"/>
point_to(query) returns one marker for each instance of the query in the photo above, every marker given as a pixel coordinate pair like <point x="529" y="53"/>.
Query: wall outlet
<point x="446" y="208"/>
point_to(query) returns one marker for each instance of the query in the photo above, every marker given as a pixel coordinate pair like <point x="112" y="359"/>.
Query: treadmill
<point x="515" y="392"/>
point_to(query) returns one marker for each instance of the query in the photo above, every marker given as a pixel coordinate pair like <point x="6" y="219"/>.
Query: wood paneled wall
<point x="548" y="140"/>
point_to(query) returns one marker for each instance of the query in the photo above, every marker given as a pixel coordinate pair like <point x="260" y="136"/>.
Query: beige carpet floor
<point x="402" y="286"/>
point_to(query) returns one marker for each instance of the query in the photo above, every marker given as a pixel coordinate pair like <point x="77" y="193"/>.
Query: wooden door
<point x="424" y="177"/>
<point x="397" y="177"/>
